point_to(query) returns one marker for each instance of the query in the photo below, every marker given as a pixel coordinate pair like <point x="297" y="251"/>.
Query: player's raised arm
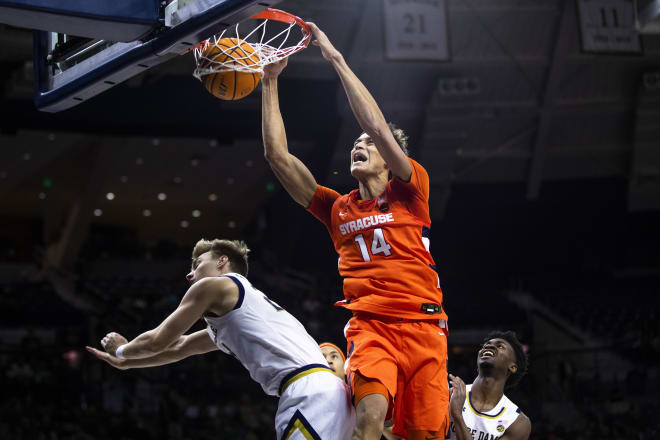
<point x="365" y="108"/>
<point x="187" y="345"/>
<point x="456" y="402"/>
<point x="289" y="170"/>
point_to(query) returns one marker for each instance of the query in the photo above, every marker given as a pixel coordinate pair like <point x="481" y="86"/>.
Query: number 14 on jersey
<point x="378" y="245"/>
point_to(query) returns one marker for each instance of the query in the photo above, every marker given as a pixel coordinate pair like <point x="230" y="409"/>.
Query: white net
<point x="229" y="51"/>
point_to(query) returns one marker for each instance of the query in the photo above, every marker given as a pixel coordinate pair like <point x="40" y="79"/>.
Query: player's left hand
<point x="456" y="395"/>
<point x="321" y="40"/>
<point x="107" y="357"/>
<point x="112" y="341"/>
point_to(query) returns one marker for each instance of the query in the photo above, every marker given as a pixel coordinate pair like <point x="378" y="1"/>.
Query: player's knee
<point x="371" y="411"/>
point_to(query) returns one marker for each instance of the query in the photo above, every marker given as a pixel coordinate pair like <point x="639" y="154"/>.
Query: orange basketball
<point x="231" y="85"/>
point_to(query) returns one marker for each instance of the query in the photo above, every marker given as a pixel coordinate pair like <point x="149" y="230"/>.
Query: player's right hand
<point x="456" y="395"/>
<point x="273" y="70"/>
<point x="107" y="357"/>
<point x="328" y="51"/>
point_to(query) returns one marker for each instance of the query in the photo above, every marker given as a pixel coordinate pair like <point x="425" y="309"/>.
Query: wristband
<point x="120" y="351"/>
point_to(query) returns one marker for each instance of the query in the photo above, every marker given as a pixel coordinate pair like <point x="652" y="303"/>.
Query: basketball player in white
<point x="481" y="410"/>
<point x="243" y="322"/>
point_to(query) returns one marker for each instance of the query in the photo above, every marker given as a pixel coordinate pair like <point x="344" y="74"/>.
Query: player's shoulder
<point x="414" y="163"/>
<point x="327" y="193"/>
<point x="520" y="429"/>
<point x="417" y="172"/>
<point x="344" y="199"/>
<point x="220" y="285"/>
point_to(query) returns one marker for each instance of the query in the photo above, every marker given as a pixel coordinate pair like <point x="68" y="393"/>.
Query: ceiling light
<point x="194" y="162"/>
<point x="139" y="161"/>
<point x="146" y="213"/>
<point x="110" y="196"/>
<point x="27" y="156"/>
<point x="42" y="195"/>
<point x="51" y="136"/>
<point x="177" y="180"/>
<point x="98" y="212"/>
<point x="184" y="223"/>
<point x="249" y="163"/>
<point x="230" y="180"/>
<point x="123" y="179"/>
<point x="155" y="142"/>
<point x="196" y="213"/>
<point x="213" y="197"/>
<point x="162" y="196"/>
<point x="232" y="224"/>
<point x="213" y="143"/>
<point x="3" y="174"/>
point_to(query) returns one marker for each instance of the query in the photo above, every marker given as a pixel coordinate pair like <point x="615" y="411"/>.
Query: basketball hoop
<point x="268" y="46"/>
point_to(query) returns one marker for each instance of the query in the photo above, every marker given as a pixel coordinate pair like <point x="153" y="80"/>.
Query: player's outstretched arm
<point x="365" y="108"/>
<point x="457" y="392"/>
<point x="221" y="292"/>
<point x="289" y="170"/>
<point x="187" y="345"/>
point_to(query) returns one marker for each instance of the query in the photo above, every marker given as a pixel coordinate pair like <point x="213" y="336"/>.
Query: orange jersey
<point x="383" y="246"/>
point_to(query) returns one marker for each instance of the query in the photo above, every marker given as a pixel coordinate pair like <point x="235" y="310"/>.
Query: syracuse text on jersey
<point x="365" y="222"/>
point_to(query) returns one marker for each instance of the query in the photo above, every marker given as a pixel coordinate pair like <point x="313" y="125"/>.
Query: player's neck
<point x="372" y="187"/>
<point x="487" y="391"/>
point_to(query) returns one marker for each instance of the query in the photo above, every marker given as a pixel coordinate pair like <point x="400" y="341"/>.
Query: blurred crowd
<point x="53" y="389"/>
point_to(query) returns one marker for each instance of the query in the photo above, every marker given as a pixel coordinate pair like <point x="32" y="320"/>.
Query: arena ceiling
<point x="519" y="100"/>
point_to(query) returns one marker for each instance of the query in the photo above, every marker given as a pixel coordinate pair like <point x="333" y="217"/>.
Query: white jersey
<point x="284" y="359"/>
<point x="265" y="338"/>
<point x="490" y="425"/>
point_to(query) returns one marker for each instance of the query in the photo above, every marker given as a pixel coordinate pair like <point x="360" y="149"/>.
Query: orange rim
<point x="277" y="15"/>
<point x="285" y="17"/>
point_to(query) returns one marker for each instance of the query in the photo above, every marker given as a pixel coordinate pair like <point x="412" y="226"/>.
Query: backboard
<point x="70" y="69"/>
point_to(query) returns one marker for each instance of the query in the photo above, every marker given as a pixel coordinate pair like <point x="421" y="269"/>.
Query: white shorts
<point x="315" y="407"/>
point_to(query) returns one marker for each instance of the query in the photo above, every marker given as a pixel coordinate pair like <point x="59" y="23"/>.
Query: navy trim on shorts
<point x="300" y="370"/>
<point x="298" y="416"/>
<point x="241" y="291"/>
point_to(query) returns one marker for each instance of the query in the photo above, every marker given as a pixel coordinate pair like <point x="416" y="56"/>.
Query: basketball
<point x="231" y="85"/>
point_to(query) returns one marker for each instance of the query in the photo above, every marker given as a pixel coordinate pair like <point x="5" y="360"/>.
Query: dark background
<point x="545" y="199"/>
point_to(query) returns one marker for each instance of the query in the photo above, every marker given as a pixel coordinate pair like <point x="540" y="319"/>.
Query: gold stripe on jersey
<point x="480" y="414"/>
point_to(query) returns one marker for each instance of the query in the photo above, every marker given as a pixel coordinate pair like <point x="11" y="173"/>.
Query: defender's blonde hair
<point x="235" y="250"/>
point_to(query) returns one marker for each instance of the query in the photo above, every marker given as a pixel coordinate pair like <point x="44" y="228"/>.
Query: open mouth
<point x="359" y="156"/>
<point x="487" y="353"/>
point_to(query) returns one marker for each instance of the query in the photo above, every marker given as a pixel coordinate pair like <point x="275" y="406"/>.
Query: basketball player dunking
<point x="397" y="336"/>
<point x="481" y="410"/>
<point x="243" y="322"/>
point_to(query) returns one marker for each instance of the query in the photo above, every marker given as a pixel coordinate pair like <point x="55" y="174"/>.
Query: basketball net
<point x="269" y="49"/>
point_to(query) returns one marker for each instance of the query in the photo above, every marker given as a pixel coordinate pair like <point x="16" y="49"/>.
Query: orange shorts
<point x="410" y="359"/>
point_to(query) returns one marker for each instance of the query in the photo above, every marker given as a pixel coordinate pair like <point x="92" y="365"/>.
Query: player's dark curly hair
<point x="521" y="356"/>
<point x="400" y="136"/>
